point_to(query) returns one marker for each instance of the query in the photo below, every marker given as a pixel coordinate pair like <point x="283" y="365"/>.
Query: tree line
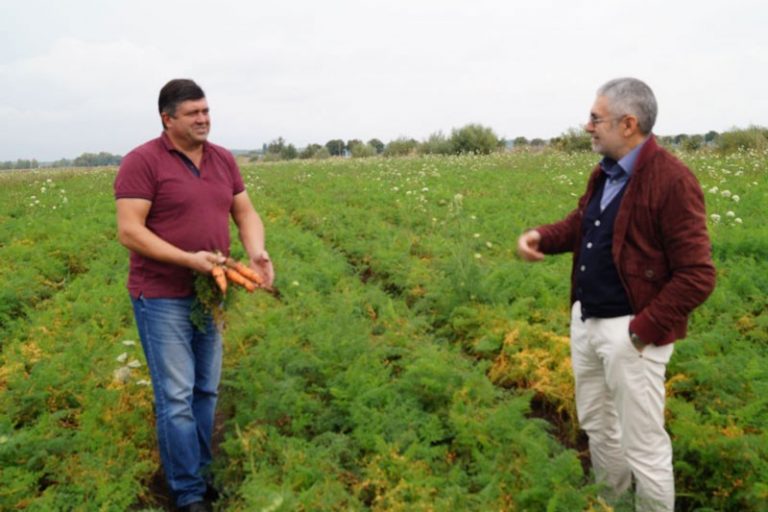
<point x="101" y="159"/>
<point x="478" y="139"/>
<point x="472" y="138"/>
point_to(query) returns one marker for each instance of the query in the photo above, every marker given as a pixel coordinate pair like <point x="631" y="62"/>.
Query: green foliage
<point x="335" y="147"/>
<point x="752" y="138"/>
<point x="362" y="150"/>
<point x="377" y="144"/>
<point x="436" y="144"/>
<point x="404" y="361"/>
<point x="574" y="139"/>
<point x="101" y="159"/>
<point x="311" y="151"/>
<point x="693" y="142"/>
<point x="401" y="147"/>
<point x="474" y="138"/>
<point x="520" y="141"/>
<point x="19" y="164"/>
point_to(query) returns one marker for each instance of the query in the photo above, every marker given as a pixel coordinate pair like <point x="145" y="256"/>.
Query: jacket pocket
<point x="644" y="280"/>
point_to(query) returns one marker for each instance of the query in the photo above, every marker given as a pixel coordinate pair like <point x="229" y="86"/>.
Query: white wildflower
<point x="713" y="190"/>
<point x="726" y="193"/>
<point x="736" y="198"/>
<point x="295" y="283"/>
<point x="129" y="343"/>
<point x="715" y="218"/>
<point x="488" y="244"/>
<point x="476" y="235"/>
<point x="730" y="213"/>
<point x="122" y="357"/>
<point x="135" y="363"/>
<point x="737" y="220"/>
<point x="478" y="256"/>
<point x="143" y="382"/>
<point x="121" y="375"/>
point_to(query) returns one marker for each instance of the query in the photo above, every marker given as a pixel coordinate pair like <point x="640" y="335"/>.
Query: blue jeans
<point x="185" y="366"/>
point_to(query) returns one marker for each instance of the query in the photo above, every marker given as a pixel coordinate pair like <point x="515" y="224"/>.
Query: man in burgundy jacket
<point x="641" y="263"/>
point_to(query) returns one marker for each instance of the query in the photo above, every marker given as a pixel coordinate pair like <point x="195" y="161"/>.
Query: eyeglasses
<point x="594" y="120"/>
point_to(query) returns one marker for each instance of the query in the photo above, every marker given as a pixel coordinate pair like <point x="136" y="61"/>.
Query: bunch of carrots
<point x="238" y="274"/>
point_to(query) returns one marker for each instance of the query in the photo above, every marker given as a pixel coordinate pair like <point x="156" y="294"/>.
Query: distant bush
<point x="321" y="154"/>
<point x="574" y="139"/>
<point x="436" y="144"/>
<point x="310" y="151"/>
<point x="97" y="160"/>
<point x="19" y="164"/>
<point x="754" y="137"/>
<point x="693" y="143"/>
<point x="377" y="144"/>
<point x="474" y="138"/>
<point x="361" y="150"/>
<point x="401" y="147"/>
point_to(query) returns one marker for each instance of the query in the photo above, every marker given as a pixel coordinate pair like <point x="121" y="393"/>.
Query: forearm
<point x="561" y="236"/>
<point x="141" y="240"/>
<point x="251" y="232"/>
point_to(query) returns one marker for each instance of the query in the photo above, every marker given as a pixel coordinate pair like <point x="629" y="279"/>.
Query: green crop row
<point x="409" y="362"/>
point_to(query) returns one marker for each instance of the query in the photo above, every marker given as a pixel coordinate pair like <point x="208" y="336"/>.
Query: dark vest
<point x="598" y="285"/>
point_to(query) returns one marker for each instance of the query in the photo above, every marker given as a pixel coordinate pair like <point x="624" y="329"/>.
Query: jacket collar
<point x="650" y="148"/>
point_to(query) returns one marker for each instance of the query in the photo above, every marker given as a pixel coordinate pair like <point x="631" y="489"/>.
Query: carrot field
<point x="409" y="361"/>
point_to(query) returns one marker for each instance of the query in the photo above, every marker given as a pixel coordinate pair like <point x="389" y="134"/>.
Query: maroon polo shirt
<point x="190" y="209"/>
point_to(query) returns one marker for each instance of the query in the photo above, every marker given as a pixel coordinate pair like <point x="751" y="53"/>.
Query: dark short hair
<point x="175" y="92"/>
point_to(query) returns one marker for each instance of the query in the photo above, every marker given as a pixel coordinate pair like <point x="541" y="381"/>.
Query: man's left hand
<point x="261" y="263"/>
<point x="637" y="342"/>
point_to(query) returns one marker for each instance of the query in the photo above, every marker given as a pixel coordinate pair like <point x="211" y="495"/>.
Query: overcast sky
<point x="83" y="76"/>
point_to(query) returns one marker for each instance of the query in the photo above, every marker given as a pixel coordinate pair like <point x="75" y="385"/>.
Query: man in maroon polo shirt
<point x="641" y="264"/>
<point x="175" y="195"/>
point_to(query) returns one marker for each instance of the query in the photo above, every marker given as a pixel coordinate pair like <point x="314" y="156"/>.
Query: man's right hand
<point x="204" y="261"/>
<point x="528" y="246"/>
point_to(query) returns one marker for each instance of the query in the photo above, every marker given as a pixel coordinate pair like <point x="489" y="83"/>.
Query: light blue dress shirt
<point x="617" y="174"/>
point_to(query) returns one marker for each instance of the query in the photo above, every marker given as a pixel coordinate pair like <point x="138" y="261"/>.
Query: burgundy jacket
<point x="661" y="248"/>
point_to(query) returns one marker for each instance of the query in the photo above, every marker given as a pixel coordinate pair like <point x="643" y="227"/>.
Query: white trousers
<point x="620" y="404"/>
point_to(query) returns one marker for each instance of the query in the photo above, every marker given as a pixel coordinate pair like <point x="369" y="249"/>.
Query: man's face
<point x="606" y="129"/>
<point x="190" y="123"/>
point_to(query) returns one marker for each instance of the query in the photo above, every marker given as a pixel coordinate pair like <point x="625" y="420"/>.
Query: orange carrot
<point x="237" y="278"/>
<point x="246" y="271"/>
<point x="221" y="279"/>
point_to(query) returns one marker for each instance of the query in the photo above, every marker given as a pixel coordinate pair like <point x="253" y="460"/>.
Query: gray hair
<point x="634" y="97"/>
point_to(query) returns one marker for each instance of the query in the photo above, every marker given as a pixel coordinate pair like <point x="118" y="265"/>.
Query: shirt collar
<point x="170" y="147"/>
<point x="625" y="165"/>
